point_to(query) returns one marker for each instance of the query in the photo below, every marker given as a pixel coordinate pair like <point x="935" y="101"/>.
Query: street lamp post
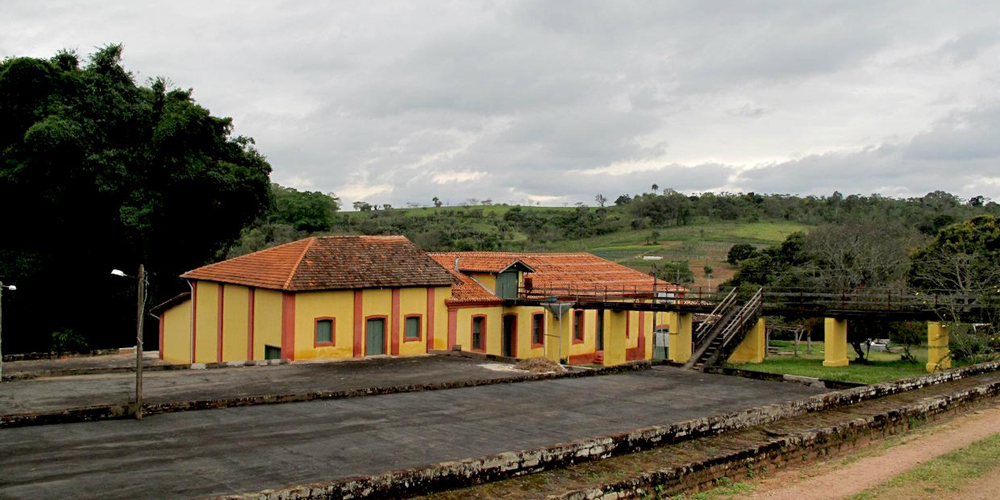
<point x="138" y="336"/>
<point x="2" y="288"/>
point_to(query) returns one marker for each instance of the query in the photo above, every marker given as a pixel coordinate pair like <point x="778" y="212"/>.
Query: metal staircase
<point x="714" y="339"/>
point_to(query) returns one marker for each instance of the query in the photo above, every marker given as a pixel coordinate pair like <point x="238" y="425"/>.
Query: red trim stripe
<point x="163" y="318"/>
<point x="395" y="322"/>
<point x="288" y="326"/>
<point x="430" y="319"/>
<point x="358" y="322"/>
<point x="222" y="306"/>
<point x="452" y="327"/>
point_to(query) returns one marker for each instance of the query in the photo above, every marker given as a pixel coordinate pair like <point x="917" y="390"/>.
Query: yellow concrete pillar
<point x="553" y="336"/>
<point x="680" y="339"/>
<point x="938" y="355"/>
<point x="835" y="342"/>
<point x="753" y="347"/>
<point x="614" y="338"/>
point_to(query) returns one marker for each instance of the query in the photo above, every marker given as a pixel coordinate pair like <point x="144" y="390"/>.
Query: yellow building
<point x="357" y="296"/>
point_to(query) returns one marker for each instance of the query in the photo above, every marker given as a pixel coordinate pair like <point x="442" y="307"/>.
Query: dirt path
<point x="867" y="472"/>
<point x="984" y="488"/>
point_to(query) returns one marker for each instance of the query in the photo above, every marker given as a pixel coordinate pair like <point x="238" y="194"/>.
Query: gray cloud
<point x="516" y="101"/>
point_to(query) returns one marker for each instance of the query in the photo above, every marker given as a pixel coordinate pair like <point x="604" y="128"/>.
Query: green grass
<point x="723" y="488"/>
<point x="881" y="367"/>
<point x="942" y="477"/>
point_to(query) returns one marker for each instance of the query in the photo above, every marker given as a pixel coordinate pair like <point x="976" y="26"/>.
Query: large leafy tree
<point x="964" y="260"/>
<point x="98" y="172"/>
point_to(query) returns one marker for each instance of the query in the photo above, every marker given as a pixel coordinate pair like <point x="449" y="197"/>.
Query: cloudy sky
<point x="552" y="102"/>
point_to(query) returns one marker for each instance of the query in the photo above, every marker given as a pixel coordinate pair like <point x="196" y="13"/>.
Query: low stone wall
<point x="797" y="447"/>
<point x="778" y="377"/>
<point x="30" y="356"/>
<point x="467" y="472"/>
<point x="105" y="412"/>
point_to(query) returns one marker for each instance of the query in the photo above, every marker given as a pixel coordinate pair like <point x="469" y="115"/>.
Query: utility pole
<point x="138" y="343"/>
<point x="2" y="287"/>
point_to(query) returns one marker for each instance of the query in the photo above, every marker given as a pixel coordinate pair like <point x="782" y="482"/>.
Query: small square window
<point x="324" y="331"/>
<point x="412" y="331"/>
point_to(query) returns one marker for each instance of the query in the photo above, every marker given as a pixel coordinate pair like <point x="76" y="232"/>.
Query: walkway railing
<point x="716" y="315"/>
<point x="789" y="300"/>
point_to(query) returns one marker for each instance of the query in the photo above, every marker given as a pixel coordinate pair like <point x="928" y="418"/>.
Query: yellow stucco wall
<point x="680" y="338"/>
<point x="463" y="334"/>
<point x="177" y="333"/>
<point x="488" y="280"/>
<point x="329" y="304"/>
<point x="615" y="341"/>
<point x="235" y="322"/>
<point x="589" y="328"/>
<point x="266" y="321"/>
<point x="633" y="330"/>
<point x="413" y="301"/>
<point x="207" y="322"/>
<point x="753" y="347"/>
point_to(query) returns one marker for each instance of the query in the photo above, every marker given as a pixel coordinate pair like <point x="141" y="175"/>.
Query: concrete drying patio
<point x="196" y="454"/>
<point x="49" y="394"/>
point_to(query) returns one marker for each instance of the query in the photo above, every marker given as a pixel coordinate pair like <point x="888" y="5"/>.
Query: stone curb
<point x="450" y="475"/>
<point x="68" y="372"/>
<point x="734" y="465"/>
<point x="106" y="412"/>
<point x="778" y="377"/>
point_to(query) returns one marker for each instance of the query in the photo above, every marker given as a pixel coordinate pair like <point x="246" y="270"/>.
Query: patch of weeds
<point x="941" y="477"/>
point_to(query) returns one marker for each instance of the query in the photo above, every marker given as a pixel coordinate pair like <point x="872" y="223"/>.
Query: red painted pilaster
<point x="430" y="319"/>
<point x="395" y="322"/>
<point x="642" y="330"/>
<point x="452" y="327"/>
<point x="163" y="318"/>
<point x="250" y="307"/>
<point x="218" y="340"/>
<point x="358" y="322"/>
<point x="288" y="326"/>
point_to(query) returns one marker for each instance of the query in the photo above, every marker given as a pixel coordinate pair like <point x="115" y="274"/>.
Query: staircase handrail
<point x="748" y="312"/>
<point x="716" y="313"/>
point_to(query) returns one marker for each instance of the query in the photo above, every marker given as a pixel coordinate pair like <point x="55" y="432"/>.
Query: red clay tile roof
<point x="582" y="270"/>
<point x="331" y="263"/>
<point x="468" y="291"/>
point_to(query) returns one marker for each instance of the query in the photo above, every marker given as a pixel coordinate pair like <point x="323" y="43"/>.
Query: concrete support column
<point x="753" y="347"/>
<point x="835" y="342"/>
<point x="614" y="338"/>
<point x="555" y="336"/>
<point x="938" y="355"/>
<point x="680" y="338"/>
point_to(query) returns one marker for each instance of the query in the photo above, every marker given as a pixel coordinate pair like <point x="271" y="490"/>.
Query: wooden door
<point x="375" y="338"/>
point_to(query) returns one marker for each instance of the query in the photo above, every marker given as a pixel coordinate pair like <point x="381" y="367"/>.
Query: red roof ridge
<point x="298" y="262"/>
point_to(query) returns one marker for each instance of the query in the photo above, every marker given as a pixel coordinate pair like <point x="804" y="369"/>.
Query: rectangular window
<point x="578" y="326"/>
<point x="479" y="333"/>
<point x="272" y="352"/>
<point x="324" y="331"/>
<point x="537" y="329"/>
<point x="412" y="328"/>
